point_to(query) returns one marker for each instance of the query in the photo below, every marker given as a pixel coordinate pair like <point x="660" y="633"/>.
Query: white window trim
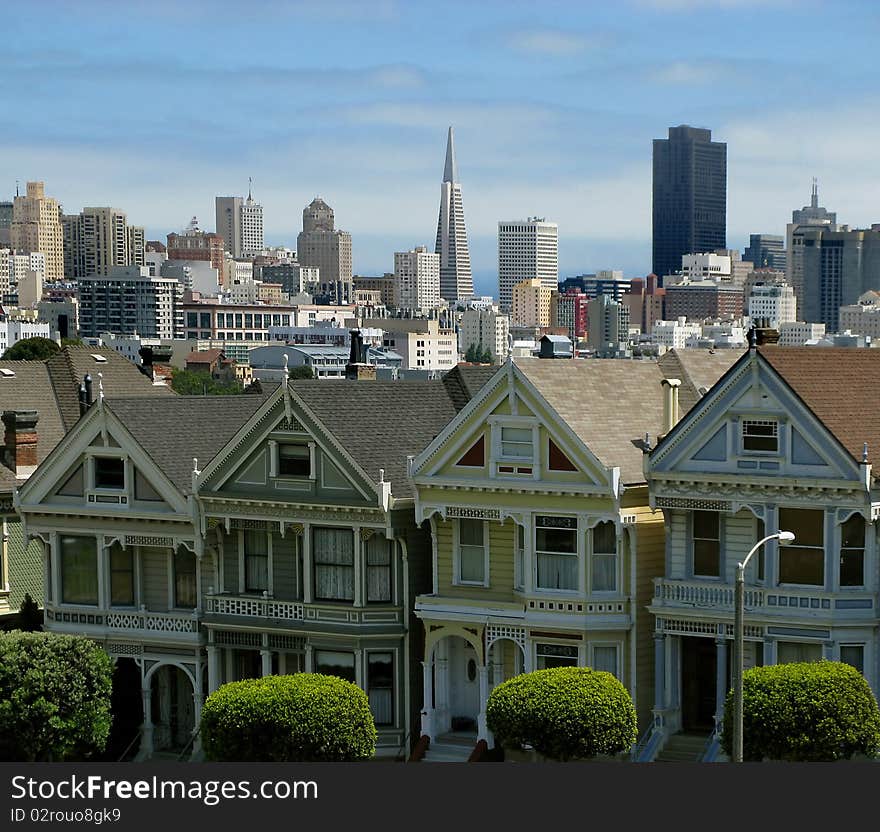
<point x="456" y="548"/>
<point x="274" y="460"/>
<point x="741" y="440"/>
<point x="589" y="553"/>
<point x="496" y="457"/>
<point x="578" y="645"/>
<point x="580" y="554"/>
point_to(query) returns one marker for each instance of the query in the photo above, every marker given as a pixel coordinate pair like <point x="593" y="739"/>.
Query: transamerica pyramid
<point x="456" y="280"/>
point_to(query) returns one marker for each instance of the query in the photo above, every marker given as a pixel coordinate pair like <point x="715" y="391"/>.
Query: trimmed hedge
<point x="306" y="717"/>
<point x="54" y="697"/>
<point x="564" y="713"/>
<point x="805" y="712"/>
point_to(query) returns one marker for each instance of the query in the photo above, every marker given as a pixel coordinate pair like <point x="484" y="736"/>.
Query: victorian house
<point x="204" y="540"/>
<point x="785" y="441"/>
<point x="544" y="542"/>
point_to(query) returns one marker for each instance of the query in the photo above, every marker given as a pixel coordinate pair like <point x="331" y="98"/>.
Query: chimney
<point x="670" y="404"/>
<point x="764" y="334"/>
<point x="357" y="368"/>
<point x="20" y="441"/>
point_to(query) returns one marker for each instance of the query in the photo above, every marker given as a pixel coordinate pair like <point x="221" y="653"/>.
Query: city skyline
<point x="554" y="119"/>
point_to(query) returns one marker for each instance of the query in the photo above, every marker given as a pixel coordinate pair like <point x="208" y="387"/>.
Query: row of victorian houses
<point x="430" y="539"/>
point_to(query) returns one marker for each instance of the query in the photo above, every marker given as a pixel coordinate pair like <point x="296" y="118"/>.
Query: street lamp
<point x="784" y="539"/>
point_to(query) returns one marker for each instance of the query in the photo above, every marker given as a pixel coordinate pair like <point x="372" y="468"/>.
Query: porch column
<point x="497" y="664"/>
<point x="659" y="671"/>
<point x="720" y="680"/>
<point x="213" y="668"/>
<point x="441" y="677"/>
<point x="266" y="656"/>
<point x="358" y="570"/>
<point x="146" y="750"/>
<point x="198" y="696"/>
<point x="428" y="708"/>
<point x="310" y="659"/>
<point x="482" y="729"/>
<point x="307" y="566"/>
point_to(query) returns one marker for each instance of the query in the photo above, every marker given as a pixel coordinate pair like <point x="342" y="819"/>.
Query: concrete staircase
<point x="682" y="748"/>
<point x="454" y="747"/>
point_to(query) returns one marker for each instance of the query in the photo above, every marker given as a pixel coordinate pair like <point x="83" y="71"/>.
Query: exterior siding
<point x="738" y="538"/>
<point x="678" y="544"/>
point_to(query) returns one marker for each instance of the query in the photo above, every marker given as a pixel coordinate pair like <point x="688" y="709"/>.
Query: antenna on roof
<point x="865" y="453"/>
<point x="100" y="389"/>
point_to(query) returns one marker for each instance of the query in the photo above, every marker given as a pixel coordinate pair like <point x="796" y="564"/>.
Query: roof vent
<point x="101" y="359"/>
<point x="6" y="372"/>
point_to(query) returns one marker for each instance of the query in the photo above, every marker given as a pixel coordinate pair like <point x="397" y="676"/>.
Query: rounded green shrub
<point x="563" y="713"/>
<point x="54" y="697"/>
<point x="306" y="717"/>
<point x="805" y="712"/>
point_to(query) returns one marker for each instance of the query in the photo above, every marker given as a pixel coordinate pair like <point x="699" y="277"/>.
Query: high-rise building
<point x="5" y="224"/>
<point x="569" y="310"/>
<point x="321" y="245"/>
<point x="416" y="279"/>
<point x="813" y="216"/>
<point x="607" y="323"/>
<point x="527" y="250"/>
<point x="645" y="300"/>
<point x="98" y="240"/>
<point x="837" y="268"/>
<point x="690" y="196"/>
<point x="772" y="304"/>
<point x="129" y="300"/>
<point x="456" y="279"/>
<point x="487" y="328"/>
<point x="36" y="226"/>
<point x="251" y="227"/>
<point x="531" y="303"/>
<point x="240" y="223"/>
<point x="766" y="251"/>
<point x="193" y="244"/>
<point x="609" y="282"/>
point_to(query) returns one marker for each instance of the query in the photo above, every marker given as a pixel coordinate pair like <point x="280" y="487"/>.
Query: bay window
<point x="79" y="570"/>
<point x="471" y="552"/>
<point x="380" y="687"/>
<point x="334" y="663"/>
<point x="604" y="559"/>
<point x="185" y="578"/>
<point x="379" y="559"/>
<point x="556" y="553"/>
<point x="333" y="554"/>
<point x="706" y="539"/>
<point x="852" y="551"/>
<point x="256" y="561"/>
<point x="121" y="576"/>
<point x="803" y="561"/>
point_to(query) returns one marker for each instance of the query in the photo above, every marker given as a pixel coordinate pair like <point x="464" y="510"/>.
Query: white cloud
<point x="550" y="42"/>
<point x="689" y="72"/>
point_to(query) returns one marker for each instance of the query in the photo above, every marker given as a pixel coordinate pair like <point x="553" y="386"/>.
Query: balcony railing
<point x="254" y="607"/>
<point x="144" y="622"/>
<point x="774" y="601"/>
<point x="273" y="609"/>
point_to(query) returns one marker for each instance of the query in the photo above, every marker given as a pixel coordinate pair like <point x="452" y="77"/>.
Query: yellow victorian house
<point x="544" y="544"/>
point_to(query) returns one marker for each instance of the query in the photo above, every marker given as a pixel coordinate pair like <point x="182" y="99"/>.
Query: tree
<point x="54" y="697"/>
<point x="306" y="717"/>
<point x="29" y="618"/>
<point x="303" y="371"/>
<point x="31" y="349"/>
<point x="471" y="355"/>
<point x="192" y="383"/>
<point x="486" y="356"/>
<point x="563" y="713"/>
<point x="71" y="342"/>
<point x="805" y="712"/>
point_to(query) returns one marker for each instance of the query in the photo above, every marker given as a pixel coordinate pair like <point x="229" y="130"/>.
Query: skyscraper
<point x="240" y="223"/>
<point x="99" y="239"/>
<point x="766" y="251"/>
<point x="527" y="250"/>
<point x="812" y="216"/>
<point x="416" y="279"/>
<point x="690" y="196"/>
<point x="36" y="226"/>
<point x="321" y="245"/>
<point x="456" y="280"/>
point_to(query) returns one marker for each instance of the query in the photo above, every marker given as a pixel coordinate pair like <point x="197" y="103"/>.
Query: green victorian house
<point x="544" y="542"/>
<point x="209" y="539"/>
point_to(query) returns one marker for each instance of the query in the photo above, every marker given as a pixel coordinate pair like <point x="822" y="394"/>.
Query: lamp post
<point x="784" y="539"/>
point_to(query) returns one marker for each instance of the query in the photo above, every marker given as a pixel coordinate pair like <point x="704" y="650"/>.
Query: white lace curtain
<point x="379" y="568"/>
<point x="333" y="551"/>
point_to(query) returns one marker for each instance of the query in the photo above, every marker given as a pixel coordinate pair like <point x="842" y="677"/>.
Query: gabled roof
<point x="463" y="382"/>
<point x="611" y="404"/>
<point x="842" y="388"/>
<point x="118" y="375"/>
<point x="203" y="356"/>
<point x="174" y="429"/>
<point x="697" y="370"/>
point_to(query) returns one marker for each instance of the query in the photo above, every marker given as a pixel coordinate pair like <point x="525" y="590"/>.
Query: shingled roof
<point x="174" y="429"/>
<point x="841" y="387"/>
<point x="611" y="404"/>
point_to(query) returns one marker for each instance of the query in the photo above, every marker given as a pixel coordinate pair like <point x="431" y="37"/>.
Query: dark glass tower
<point x="690" y="196"/>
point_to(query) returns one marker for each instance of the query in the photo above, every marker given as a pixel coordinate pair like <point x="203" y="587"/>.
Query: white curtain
<point x="334" y="564"/>
<point x="605" y="658"/>
<point x="557" y="571"/>
<point x="256" y="560"/>
<point x="381" y="706"/>
<point x="379" y="568"/>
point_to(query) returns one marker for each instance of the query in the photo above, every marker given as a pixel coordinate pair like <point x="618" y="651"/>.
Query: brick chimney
<point x="20" y="441"/>
<point x="156" y="363"/>
<point x="357" y="368"/>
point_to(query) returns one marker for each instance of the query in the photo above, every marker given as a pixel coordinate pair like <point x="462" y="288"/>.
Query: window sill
<point x="480" y="585"/>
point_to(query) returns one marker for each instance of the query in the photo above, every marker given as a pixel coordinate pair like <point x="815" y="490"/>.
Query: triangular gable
<point x="508" y="394"/>
<point x="65" y="468"/>
<point x="753" y="398"/>
<point x="248" y="462"/>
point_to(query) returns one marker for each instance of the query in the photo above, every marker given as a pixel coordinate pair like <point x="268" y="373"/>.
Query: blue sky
<point x="157" y="107"/>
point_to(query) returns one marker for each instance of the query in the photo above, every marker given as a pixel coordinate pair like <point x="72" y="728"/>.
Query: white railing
<point x="156" y="622"/>
<point x="254" y="607"/>
<point x="704" y="594"/>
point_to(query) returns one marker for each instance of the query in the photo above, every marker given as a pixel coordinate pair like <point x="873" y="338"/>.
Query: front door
<point x="698" y="680"/>
<point x="464" y="684"/>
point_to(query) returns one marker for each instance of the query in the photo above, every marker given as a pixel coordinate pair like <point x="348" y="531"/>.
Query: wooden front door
<point x="698" y="680"/>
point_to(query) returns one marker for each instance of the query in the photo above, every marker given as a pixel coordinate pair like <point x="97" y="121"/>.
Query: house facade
<point x="544" y="542"/>
<point x="785" y="441"/>
<point x="211" y="539"/>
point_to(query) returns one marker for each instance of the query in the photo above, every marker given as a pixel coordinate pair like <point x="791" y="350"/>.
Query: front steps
<point x="683" y="748"/>
<point x="454" y="747"/>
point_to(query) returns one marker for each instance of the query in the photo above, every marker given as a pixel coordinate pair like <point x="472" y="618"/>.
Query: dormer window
<point x="761" y="435"/>
<point x="109" y="473"/>
<point x="514" y="447"/>
<point x="294" y="461"/>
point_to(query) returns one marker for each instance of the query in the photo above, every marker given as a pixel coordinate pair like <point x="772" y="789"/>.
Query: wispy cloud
<point x="690" y="72"/>
<point x="551" y="42"/>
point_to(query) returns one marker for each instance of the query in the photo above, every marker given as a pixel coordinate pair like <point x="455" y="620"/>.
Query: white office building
<point x="772" y="304"/>
<point x="416" y="279"/>
<point x="487" y="328"/>
<point x="527" y="250"/>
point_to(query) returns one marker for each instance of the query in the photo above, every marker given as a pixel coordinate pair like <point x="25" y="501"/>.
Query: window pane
<point x="109" y="473"/>
<point x="334" y="564"/>
<point x="605" y="658"/>
<point x="799" y="565"/>
<point x="853" y="654"/>
<point x="557" y="572"/>
<point x="852" y="533"/>
<point x="604" y="573"/>
<point x="706" y="524"/>
<point x="852" y="567"/>
<point x="294" y="461"/>
<point x="473" y="563"/>
<point x="807" y="525"/>
<point x="556" y="540"/>
<point x="121" y="576"/>
<point x="380" y="684"/>
<point x="556" y="655"/>
<point x="470" y="532"/>
<point x="335" y="664"/>
<point x="184" y="578"/>
<point x="379" y="568"/>
<point x="792" y="651"/>
<point x="706" y="558"/>
<point x="79" y="570"/>
<point x="605" y="538"/>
